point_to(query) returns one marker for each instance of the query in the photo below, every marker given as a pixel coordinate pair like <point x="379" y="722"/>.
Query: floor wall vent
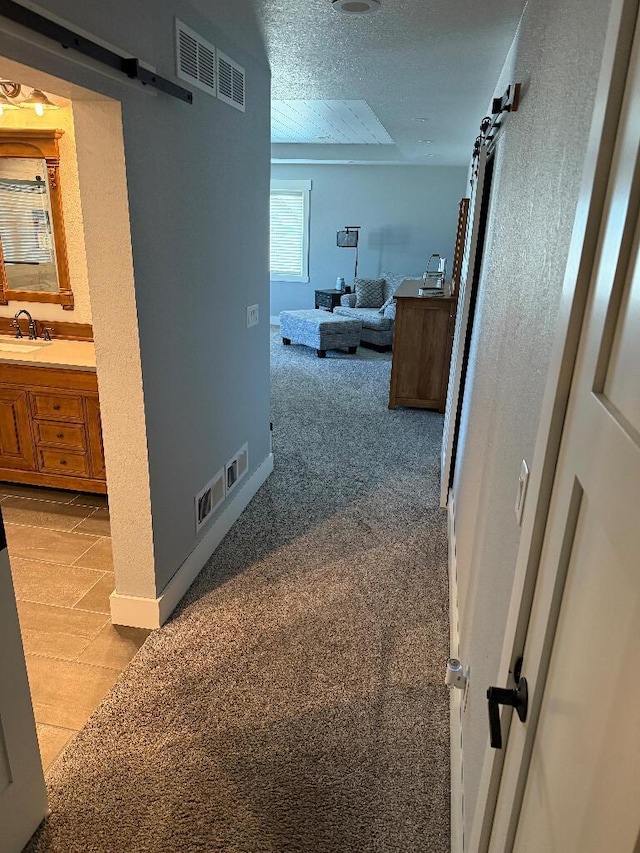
<point x="236" y="468"/>
<point x="231" y="82"/>
<point x="209" y="499"/>
<point x="195" y="59"/>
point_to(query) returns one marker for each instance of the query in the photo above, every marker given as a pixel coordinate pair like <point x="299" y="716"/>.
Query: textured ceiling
<point x="327" y="123"/>
<point x="437" y="60"/>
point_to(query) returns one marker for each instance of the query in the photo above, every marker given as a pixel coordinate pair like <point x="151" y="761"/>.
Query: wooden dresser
<point x="422" y="341"/>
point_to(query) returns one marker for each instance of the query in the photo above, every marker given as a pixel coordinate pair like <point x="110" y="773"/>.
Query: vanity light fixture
<point x="10" y="89"/>
<point x="39" y="102"/>
<point x="356" y="7"/>
<point x="6" y="104"/>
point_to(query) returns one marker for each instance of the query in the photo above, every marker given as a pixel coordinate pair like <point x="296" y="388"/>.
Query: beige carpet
<point x="295" y="702"/>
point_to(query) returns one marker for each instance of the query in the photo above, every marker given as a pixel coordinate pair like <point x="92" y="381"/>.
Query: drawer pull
<point x="63" y="461"/>
<point x="56" y="408"/>
<point x="59" y="435"/>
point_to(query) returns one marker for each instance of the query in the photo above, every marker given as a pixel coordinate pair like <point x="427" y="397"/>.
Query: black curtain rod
<point x="68" y="39"/>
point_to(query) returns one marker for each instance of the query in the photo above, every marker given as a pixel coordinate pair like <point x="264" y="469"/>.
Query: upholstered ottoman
<point x="321" y="330"/>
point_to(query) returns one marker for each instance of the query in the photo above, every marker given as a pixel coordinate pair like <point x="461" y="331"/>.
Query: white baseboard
<point x="274" y="321"/>
<point x="154" y="612"/>
<point x="134" y="612"/>
<point x="457" y="696"/>
<point x="457" y="810"/>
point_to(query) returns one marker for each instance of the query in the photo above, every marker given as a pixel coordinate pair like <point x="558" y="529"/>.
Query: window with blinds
<point x="25" y="224"/>
<point x="289" y="233"/>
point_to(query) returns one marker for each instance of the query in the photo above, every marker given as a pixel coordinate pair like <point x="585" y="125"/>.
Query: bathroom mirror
<point x="33" y="255"/>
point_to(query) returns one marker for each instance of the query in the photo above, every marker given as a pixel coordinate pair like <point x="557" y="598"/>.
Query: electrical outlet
<point x="523" y="482"/>
<point x="252" y="316"/>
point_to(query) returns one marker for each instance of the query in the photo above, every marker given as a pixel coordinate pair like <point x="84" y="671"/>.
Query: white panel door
<point x="468" y="279"/>
<point x="23" y="797"/>
<point x="571" y="781"/>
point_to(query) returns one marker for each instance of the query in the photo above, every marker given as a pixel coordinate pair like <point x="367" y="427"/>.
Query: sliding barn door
<point x="469" y="277"/>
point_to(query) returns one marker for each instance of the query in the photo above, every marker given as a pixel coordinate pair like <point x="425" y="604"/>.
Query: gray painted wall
<point x="538" y="170"/>
<point x="198" y="189"/>
<point x="406" y="213"/>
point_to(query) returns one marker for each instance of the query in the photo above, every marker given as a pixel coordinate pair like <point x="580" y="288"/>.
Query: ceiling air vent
<point x="230" y="82"/>
<point x="195" y="59"/>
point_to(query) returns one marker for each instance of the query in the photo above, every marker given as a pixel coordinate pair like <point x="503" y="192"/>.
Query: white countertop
<point x="72" y="355"/>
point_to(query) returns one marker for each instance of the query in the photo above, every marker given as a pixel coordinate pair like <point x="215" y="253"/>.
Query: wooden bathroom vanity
<point x="50" y="433"/>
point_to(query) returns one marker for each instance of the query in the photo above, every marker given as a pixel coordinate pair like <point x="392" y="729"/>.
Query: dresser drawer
<point x="57" y="407"/>
<point x="324" y="300"/>
<point x="56" y="434"/>
<point x="328" y="299"/>
<point x="54" y="461"/>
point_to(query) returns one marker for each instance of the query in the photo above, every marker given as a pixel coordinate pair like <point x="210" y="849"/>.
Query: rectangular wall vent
<point x="209" y="499"/>
<point x="236" y="468"/>
<point x="231" y="82"/>
<point x="195" y="59"/>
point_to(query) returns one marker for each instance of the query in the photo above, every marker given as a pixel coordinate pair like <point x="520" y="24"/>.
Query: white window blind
<point x="289" y="247"/>
<point x="25" y="225"/>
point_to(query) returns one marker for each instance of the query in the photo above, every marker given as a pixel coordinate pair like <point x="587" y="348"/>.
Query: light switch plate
<point x="252" y="316"/>
<point x="523" y="482"/>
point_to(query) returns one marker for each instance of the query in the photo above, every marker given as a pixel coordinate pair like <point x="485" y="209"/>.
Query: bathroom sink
<point x="21" y="346"/>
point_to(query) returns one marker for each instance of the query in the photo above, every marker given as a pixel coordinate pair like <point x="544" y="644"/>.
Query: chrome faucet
<point x="32" y="325"/>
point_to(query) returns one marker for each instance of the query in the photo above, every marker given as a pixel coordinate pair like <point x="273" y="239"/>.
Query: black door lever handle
<point x="517" y="697"/>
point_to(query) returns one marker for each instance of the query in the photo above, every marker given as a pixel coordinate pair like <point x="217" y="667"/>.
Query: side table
<point x="328" y="298"/>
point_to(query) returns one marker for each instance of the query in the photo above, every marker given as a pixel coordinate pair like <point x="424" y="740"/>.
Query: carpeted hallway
<point x="295" y="702"/>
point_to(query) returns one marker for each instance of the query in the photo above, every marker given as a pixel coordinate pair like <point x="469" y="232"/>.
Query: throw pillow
<point x="369" y="292"/>
<point x="394" y="280"/>
<point x="390" y="311"/>
<point x="386" y="304"/>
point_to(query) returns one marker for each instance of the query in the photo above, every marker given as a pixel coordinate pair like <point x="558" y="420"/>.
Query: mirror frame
<point x="42" y="145"/>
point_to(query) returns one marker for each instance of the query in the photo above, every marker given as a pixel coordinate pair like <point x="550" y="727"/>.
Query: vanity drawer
<point x="57" y="407"/>
<point x="60" y="434"/>
<point x="63" y="462"/>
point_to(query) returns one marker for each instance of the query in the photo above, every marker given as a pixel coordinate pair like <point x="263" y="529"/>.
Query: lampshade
<point x="347" y="239"/>
<point x="39" y="102"/>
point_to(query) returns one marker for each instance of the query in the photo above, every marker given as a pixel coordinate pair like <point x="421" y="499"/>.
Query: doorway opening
<point x="71" y="411"/>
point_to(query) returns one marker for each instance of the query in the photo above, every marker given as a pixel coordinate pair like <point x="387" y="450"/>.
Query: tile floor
<point x="60" y="554"/>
